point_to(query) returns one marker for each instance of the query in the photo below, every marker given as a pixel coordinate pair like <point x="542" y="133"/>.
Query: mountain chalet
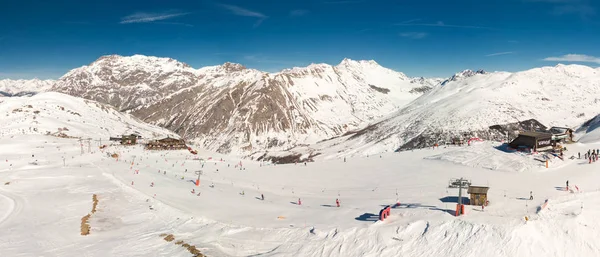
<point x="167" y="143"/>
<point x="540" y="141"/>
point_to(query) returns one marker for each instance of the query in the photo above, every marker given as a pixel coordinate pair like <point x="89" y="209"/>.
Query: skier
<point x="579" y="155"/>
<point x="337" y="202"/>
<point x="152" y="184"/>
<point x="299" y="202"/>
<point x="530" y="195"/>
<point x="199" y="193"/>
<point x="567" y="185"/>
<point x="165" y="172"/>
<point x="344" y="159"/>
<point x="262" y="197"/>
<point x="193" y="191"/>
<point x="212" y="185"/>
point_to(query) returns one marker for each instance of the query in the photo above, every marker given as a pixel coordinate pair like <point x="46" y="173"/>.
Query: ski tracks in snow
<point x="14" y="205"/>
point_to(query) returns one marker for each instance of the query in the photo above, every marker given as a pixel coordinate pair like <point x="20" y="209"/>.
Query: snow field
<point x="50" y="200"/>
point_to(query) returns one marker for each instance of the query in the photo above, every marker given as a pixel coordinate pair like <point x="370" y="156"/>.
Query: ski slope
<point x="56" y="113"/>
<point x="42" y="206"/>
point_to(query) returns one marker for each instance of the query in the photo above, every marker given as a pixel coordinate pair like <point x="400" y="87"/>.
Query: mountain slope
<point x="9" y="87"/>
<point x="232" y="109"/>
<point x="63" y="115"/>
<point x="468" y="106"/>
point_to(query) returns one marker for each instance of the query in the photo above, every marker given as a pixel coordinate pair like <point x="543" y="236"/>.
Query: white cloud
<point x="142" y="17"/>
<point x="243" y="12"/>
<point x="501" y="53"/>
<point x="409" y="21"/>
<point x="239" y="11"/>
<point x="414" y="35"/>
<point x="574" y="58"/>
<point x="299" y="12"/>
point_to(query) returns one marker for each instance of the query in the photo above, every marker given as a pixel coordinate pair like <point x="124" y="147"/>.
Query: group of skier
<point x="591" y="155"/>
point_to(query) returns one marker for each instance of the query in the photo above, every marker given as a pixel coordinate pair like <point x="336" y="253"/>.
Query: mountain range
<point x="232" y="109"/>
<point x="355" y="107"/>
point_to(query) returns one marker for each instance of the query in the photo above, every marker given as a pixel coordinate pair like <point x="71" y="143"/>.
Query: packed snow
<point x="47" y="186"/>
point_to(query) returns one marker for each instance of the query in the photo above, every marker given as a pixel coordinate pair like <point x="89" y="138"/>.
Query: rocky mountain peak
<point x="233" y="67"/>
<point x="464" y="74"/>
<point x="350" y="62"/>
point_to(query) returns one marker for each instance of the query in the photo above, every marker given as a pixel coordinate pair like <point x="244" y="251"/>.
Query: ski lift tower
<point x="199" y="172"/>
<point x="460" y="184"/>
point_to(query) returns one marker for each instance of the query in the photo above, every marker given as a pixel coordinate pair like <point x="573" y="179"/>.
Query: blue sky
<point x="45" y="39"/>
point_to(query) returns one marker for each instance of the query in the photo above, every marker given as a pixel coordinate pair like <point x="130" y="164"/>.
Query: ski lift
<point x="457" y="183"/>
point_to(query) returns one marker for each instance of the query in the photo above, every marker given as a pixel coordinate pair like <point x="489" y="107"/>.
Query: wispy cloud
<point x="441" y="24"/>
<point x="243" y="12"/>
<point x="239" y="11"/>
<point x="298" y="13"/>
<point x="501" y="53"/>
<point x="574" y="58"/>
<point x="174" y="23"/>
<point x="142" y="17"/>
<point x="409" y="21"/>
<point x="414" y="35"/>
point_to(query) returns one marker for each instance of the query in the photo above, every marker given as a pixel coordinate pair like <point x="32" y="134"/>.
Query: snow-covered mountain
<point x="9" y="87"/>
<point x="232" y="109"/>
<point x="564" y="95"/>
<point x="63" y="115"/>
<point x="589" y="132"/>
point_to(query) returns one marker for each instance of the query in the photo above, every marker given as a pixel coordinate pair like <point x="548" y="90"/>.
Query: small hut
<point x="478" y="195"/>
<point x="129" y="139"/>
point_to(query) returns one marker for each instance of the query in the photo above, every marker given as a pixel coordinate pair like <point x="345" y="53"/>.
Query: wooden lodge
<point x="478" y="195"/>
<point x="167" y="143"/>
<point x="535" y="141"/>
<point x="126" y="139"/>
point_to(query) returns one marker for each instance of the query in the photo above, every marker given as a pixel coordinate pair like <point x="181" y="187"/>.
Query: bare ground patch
<point x="85" y="226"/>
<point x="191" y="248"/>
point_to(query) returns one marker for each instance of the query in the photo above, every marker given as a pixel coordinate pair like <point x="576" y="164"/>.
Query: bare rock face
<point x="232" y="109"/>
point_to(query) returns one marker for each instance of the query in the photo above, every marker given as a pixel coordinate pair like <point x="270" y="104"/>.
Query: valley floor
<point x="46" y="196"/>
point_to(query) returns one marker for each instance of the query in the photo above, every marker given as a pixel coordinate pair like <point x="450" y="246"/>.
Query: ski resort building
<point x="478" y="195"/>
<point x="126" y="139"/>
<point x="561" y="134"/>
<point x="535" y="141"/>
<point x="166" y="144"/>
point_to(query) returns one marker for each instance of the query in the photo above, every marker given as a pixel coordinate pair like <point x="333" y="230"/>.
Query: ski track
<point x="15" y="206"/>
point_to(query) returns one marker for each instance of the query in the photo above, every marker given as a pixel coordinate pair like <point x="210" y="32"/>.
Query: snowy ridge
<point x="63" y="115"/>
<point x="232" y="109"/>
<point x="589" y="132"/>
<point x="9" y="87"/>
<point x="565" y="95"/>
